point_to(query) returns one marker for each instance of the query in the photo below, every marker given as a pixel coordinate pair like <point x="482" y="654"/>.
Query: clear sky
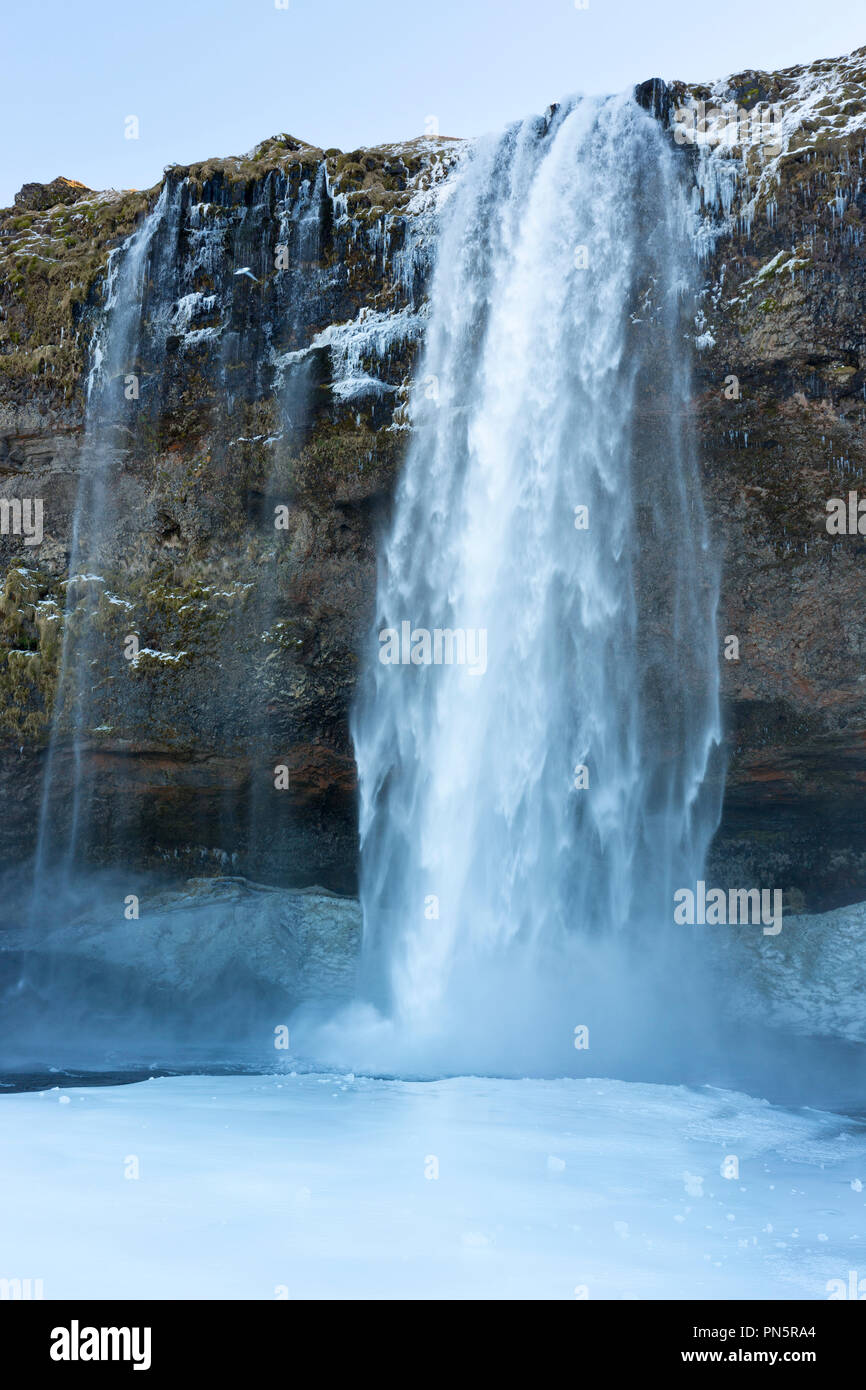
<point x="213" y="77"/>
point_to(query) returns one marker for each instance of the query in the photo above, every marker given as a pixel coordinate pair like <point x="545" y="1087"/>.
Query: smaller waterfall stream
<point x="223" y="293"/>
<point x="112" y="406"/>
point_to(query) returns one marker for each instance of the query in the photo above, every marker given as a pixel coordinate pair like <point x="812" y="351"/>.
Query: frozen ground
<point x="317" y="1186"/>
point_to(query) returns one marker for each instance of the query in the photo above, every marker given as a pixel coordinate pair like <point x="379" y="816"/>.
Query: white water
<point x="344" y="1187"/>
<point x="557" y="309"/>
<point x="111" y="406"/>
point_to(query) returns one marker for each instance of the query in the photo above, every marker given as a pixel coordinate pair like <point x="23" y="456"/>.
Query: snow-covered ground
<point x="341" y="1187"/>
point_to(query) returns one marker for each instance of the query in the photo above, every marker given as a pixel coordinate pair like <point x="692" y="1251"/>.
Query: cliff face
<point x="280" y="317"/>
<point x="281" y="322"/>
<point x="784" y="312"/>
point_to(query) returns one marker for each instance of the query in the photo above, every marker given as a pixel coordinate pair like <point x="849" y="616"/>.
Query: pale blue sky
<point x="213" y="77"/>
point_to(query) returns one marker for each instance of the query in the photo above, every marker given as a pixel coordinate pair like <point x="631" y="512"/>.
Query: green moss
<point x="43" y="292"/>
<point x="31" y="625"/>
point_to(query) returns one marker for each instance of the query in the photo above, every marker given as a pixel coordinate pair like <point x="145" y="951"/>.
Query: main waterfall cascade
<point x="523" y="828"/>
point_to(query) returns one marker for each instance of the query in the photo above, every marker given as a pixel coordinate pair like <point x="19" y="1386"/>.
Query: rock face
<point x="301" y="943"/>
<point x="202" y="960"/>
<point x="281" y="312"/>
<point x="808" y="979"/>
<point x="784" y="312"/>
<point x="280" y="327"/>
<point x="39" y="197"/>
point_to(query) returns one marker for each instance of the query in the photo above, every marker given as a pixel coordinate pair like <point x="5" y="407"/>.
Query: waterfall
<point x="188" y="292"/>
<point x="112" y="409"/>
<point x="526" y="815"/>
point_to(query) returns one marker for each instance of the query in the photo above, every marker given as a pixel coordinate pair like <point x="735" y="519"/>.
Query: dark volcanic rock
<point x="39" y="196"/>
<point x="655" y="97"/>
<point x="281" y="317"/>
<point x="780" y="393"/>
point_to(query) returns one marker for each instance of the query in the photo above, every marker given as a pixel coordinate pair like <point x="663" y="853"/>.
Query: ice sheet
<point x="318" y="1186"/>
